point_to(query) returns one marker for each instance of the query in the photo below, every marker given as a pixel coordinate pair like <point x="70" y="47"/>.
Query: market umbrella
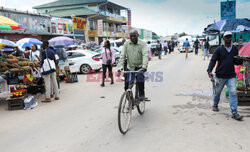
<point x="7" y="42"/>
<point x="61" y="41"/>
<point x="233" y="25"/>
<point x="23" y="43"/>
<point x="239" y="25"/>
<point x="8" y="24"/>
<point x="245" y="50"/>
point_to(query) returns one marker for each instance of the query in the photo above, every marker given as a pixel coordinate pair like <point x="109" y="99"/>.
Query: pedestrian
<point x="186" y="46"/>
<point x="34" y="53"/>
<point x="206" y="48"/>
<point x="165" y="47"/>
<point x="225" y="73"/>
<point x="159" y="48"/>
<point x="48" y="67"/>
<point x="173" y="45"/>
<point x="108" y="60"/>
<point x="149" y="51"/>
<point x="196" y="46"/>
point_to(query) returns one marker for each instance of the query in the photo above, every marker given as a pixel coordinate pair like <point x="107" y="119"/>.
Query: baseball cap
<point x="227" y="33"/>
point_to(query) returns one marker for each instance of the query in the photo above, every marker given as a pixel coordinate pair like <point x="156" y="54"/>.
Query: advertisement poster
<point x="100" y="27"/>
<point x="79" y="23"/>
<point x="228" y="10"/>
<point x="61" y="25"/>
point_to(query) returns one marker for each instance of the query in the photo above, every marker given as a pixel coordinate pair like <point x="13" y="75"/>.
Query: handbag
<point x="108" y="61"/>
<point x="49" y="66"/>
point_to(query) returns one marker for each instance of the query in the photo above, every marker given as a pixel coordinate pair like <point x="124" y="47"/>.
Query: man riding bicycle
<point x="136" y="52"/>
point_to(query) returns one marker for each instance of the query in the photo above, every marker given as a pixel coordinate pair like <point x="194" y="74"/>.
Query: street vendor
<point x="34" y="53"/>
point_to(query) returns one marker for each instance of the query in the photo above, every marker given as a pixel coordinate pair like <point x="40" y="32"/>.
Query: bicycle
<point x="127" y="104"/>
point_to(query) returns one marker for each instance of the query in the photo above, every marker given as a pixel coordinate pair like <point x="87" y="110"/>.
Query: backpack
<point x="159" y="47"/>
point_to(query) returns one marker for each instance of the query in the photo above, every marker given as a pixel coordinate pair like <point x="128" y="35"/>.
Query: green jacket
<point x="136" y="54"/>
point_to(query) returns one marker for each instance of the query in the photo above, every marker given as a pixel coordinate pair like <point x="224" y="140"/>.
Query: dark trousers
<point x="196" y="51"/>
<point x="140" y="81"/>
<point x="104" y="69"/>
<point x="166" y="50"/>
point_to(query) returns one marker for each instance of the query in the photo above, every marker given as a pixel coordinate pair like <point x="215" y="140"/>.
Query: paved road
<point x="179" y="117"/>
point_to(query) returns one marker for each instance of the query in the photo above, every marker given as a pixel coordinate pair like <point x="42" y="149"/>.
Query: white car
<point x="85" y="60"/>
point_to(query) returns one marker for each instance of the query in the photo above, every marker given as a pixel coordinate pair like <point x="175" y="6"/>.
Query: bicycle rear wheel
<point x="141" y="107"/>
<point x="124" y="112"/>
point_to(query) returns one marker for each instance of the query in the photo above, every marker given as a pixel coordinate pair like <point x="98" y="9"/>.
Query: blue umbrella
<point x="233" y="25"/>
<point x="7" y="42"/>
<point x="23" y="43"/>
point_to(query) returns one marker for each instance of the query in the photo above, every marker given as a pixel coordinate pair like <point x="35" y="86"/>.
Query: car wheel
<point x="85" y="68"/>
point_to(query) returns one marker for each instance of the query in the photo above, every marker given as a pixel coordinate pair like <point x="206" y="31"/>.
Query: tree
<point x="153" y="33"/>
<point x="182" y="34"/>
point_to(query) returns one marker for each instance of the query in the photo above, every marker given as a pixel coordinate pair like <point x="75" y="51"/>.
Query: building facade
<point x="34" y="25"/>
<point x="104" y="19"/>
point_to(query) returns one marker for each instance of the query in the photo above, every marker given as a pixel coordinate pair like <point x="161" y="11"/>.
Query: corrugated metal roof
<point x="73" y="11"/>
<point x="68" y="2"/>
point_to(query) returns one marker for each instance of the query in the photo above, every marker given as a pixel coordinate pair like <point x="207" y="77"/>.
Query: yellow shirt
<point x="2" y="45"/>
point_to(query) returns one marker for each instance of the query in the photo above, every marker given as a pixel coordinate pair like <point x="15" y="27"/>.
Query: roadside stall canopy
<point x="8" y="24"/>
<point x="245" y="50"/>
<point x="62" y="41"/>
<point x="23" y="43"/>
<point x="6" y="42"/>
<point x="233" y="25"/>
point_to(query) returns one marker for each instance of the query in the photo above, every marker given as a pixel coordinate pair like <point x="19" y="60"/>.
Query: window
<point x="74" y="55"/>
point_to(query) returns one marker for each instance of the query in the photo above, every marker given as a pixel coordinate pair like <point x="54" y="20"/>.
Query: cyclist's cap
<point x="227" y="33"/>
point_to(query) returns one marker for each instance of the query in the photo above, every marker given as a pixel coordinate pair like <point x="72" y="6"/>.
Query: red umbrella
<point x="245" y="50"/>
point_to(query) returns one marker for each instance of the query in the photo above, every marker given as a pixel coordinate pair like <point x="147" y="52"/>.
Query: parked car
<point x="181" y="47"/>
<point x="117" y="54"/>
<point x="85" y="60"/>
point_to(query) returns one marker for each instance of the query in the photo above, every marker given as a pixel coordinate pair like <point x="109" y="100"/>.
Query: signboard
<point x="129" y="20"/>
<point x="228" y="10"/>
<point x="79" y="23"/>
<point x="100" y="27"/>
<point x="61" y="25"/>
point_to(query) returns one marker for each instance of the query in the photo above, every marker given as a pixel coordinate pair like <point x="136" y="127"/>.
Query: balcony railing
<point x="119" y="17"/>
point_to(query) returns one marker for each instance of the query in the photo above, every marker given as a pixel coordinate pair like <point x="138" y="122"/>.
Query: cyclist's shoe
<point x="237" y="117"/>
<point x="215" y="108"/>
<point x="141" y="98"/>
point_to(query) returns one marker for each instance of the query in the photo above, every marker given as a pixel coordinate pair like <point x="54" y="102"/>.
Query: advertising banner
<point x="100" y="27"/>
<point x="79" y="23"/>
<point x="228" y="10"/>
<point x="61" y="25"/>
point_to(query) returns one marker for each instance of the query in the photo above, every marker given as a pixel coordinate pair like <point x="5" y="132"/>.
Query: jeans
<point x="206" y="53"/>
<point x="48" y="79"/>
<point x="231" y="85"/>
<point x="159" y="54"/>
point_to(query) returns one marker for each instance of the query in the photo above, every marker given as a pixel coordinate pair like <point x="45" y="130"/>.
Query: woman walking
<point x="108" y="60"/>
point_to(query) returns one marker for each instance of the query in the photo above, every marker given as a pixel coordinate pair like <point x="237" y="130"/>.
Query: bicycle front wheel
<point x="124" y="112"/>
<point x="141" y="107"/>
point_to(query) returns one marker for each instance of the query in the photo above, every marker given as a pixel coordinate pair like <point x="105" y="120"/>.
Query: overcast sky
<point x="162" y="16"/>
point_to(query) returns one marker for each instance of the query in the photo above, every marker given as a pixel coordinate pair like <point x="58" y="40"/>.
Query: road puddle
<point x="197" y="93"/>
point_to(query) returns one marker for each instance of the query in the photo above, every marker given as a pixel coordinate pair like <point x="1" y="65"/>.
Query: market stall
<point x="22" y="76"/>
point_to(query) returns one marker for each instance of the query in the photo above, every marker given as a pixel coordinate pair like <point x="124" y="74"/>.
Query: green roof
<point x="73" y="11"/>
<point x="68" y="2"/>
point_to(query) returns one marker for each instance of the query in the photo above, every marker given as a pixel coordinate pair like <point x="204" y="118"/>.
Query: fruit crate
<point x="16" y="103"/>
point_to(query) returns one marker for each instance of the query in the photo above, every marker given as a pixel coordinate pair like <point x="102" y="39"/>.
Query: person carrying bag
<point x="48" y="71"/>
<point x="108" y="60"/>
